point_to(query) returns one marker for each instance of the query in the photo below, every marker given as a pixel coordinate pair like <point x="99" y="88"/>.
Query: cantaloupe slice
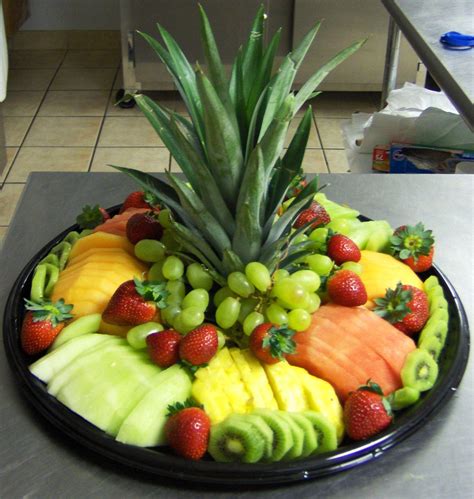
<point x="381" y="271"/>
<point x="101" y="240"/>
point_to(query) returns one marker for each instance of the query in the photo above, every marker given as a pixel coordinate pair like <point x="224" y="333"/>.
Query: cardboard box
<point x="407" y="158"/>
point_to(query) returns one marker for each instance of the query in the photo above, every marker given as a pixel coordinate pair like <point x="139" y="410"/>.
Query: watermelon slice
<point x="117" y="224"/>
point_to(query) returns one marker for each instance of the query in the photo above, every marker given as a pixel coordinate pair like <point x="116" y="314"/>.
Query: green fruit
<point x="431" y="282"/>
<point x="196" y="298"/>
<point x="282" y="435"/>
<point x="420" y="370"/>
<point x="150" y="250"/>
<point x="354" y="266"/>
<point x="247" y="306"/>
<point x="236" y="441"/>
<point x="403" y="397"/>
<point x="198" y="277"/>
<point x="136" y="336"/>
<point x="173" y="268"/>
<point x="86" y="324"/>
<point x="438" y="302"/>
<point x="221" y="294"/>
<point x="155" y="273"/>
<point x="432" y="345"/>
<point x="308" y="279"/>
<point x="310" y="441"/>
<point x="258" y="275"/>
<point x="436" y="328"/>
<point x="299" y="319"/>
<point x="239" y="284"/>
<point x="434" y="291"/>
<point x="297" y="432"/>
<point x="252" y="320"/>
<point x="280" y="274"/>
<point x="325" y="431"/>
<point x="321" y="264"/>
<point x="290" y="293"/>
<point x="227" y="312"/>
<point x="262" y="427"/>
<point x="276" y="314"/>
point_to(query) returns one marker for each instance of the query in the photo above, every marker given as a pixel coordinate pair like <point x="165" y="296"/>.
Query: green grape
<point x="247" y="305"/>
<point x="170" y="312"/>
<point x="221" y="339"/>
<point x="179" y="325"/>
<point x="150" y="250"/>
<point x="173" y="268"/>
<point x="177" y="291"/>
<point x="198" y="298"/>
<point x="239" y="284"/>
<point x="300" y="238"/>
<point x="321" y="264"/>
<point x="354" y="266"/>
<point x="290" y="293"/>
<point x="136" y="336"/>
<point x="164" y="218"/>
<point x="192" y="317"/>
<point x="314" y="302"/>
<point x="169" y="241"/>
<point x="155" y="272"/>
<point x="258" y="275"/>
<point x="299" y="319"/>
<point x="198" y="277"/>
<point x="221" y="294"/>
<point x="307" y="278"/>
<point x="319" y="235"/>
<point x="276" y="314"/>
<point x="280" y="274"/>
<point x="228" y="312"/>
<point x="252" y="320"/>
<point x="340" y="225"/>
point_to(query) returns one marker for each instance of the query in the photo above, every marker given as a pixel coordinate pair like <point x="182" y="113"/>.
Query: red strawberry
<point x="315" y="213"/>
<point x="270" y="343"/>
<point x="42" y="323"/>
<point x="92" y="216"/>
<point x="187" y="431"/>
<point x="199" y="345"/>
<point x="163" y="347"/>
<point x="342" y="249"/>
<point x="143" y="226"/>
<point x="346" y="288"/>
<point x="366" y="412"/>
<point x="414" y="246"/>
<point x="406" y="307"/>
<point x="136" y="302"/>
<point x="139" y="199"/>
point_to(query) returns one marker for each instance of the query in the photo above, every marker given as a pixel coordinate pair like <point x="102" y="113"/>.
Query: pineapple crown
<point x="231" y="148"/>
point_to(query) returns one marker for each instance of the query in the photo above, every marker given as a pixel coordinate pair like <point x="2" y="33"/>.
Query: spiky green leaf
<point x="253" y="49"/>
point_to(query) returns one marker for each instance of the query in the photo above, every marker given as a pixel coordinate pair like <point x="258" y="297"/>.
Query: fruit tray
<point x="160" y="462"/>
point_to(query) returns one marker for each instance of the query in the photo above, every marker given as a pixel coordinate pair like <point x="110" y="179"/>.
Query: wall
<point x="73" y="15"/>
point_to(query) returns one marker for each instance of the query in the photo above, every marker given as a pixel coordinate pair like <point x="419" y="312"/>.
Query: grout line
<point x="321" y="142"/>
<point x="32" y="121"/>
<point x="103" y="120"/>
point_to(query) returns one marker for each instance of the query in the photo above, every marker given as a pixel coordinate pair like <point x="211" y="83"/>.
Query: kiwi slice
<point x="282" y="435"/>
<point x="262" y="427"/>
<point x="432" y="345"/>
<point x="434" y="329"/>
<point x="310" y="442"/>
<point x="419" y="371"/>
<point x="325" y="431"/>
<point x="434" y="291"/>
<point x="296" y="450"/>
<point x="440" y="314"/>
<point x="430" y="283"/>
<point x="438" y="302"/>
<point x="236" y="441"/>
<point x="403" y="397"/>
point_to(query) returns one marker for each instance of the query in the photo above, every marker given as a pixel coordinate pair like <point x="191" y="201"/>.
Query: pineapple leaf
<point x="240" y="100"/>
<point x="248" y="230"/>
<point x="253" y="49"/>
<point x="186" y="90"/>
<point x="298" y="55"/>
<point x="301" y="202"/>
<point x="224" y="150"/>
<point x="290" y="165"/>
<point x="199" y="214"/>
<point x="264" y="73"/>
<point x="293" y="257"/>
<point x="252" y="128"/>
<point x="310" y="86"/>
<point x="278" y="89"/>
<point x="232" y="262"/>
<point x="187" y="128"/>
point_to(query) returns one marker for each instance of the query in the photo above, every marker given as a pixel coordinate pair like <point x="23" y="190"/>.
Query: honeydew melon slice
<point x="144" y="426"/>
<point x="105" y="393"/>
<point x="117" y="346"/>
<point x="87" y="324"/>
<point x="59" y="358"/>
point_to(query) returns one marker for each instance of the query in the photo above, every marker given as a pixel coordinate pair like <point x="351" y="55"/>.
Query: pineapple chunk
<point x="255" y="379"/>
<point x="286" y="386"/>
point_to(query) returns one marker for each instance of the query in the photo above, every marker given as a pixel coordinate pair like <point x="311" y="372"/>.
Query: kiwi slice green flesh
<point x="438" y="302"/>
<point x="435" y="291"/>
<point x="325" y="431"/>
<point x="282" y="435"/>
<point x="265" y="431"/>
<point x="432" y="345"/>
<point x="430" y="283"/>
<point x="439" y="314"/>
<point x="298" y="437"/>
<point x="434" y="329"/>
<point x="235" y="441"/>
<point x="403" y="397"/>
<point x="310" y="442"/>
<point x="419" y="371"/>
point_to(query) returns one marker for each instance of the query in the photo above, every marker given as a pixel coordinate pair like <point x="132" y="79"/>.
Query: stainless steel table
<point x="423" y="22"/>
<point x="436" y="462"/>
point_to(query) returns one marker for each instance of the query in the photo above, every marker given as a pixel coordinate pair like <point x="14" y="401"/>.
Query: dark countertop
<point x="437" y="461"/>
<point x="423" y="22"/>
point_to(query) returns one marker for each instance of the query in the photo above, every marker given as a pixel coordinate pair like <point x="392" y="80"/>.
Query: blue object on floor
<point x="457" y="41"/>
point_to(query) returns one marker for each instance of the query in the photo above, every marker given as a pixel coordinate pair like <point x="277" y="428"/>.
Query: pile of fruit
<point x="240" y="314"/>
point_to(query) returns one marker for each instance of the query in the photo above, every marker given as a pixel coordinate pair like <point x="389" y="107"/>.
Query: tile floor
<point x="60" y="116"/>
